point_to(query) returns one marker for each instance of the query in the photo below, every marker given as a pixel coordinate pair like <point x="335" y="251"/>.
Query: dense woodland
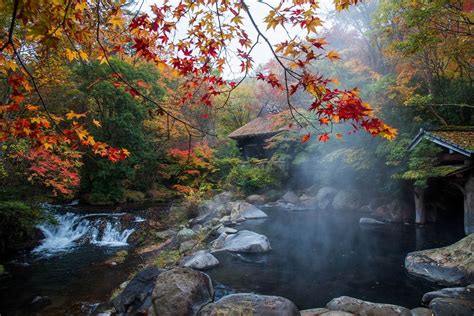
<point x="106" y="103"/>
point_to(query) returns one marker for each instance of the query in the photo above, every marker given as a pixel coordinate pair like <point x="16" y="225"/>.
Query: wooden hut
<point x="458" y="157"/>
<point x="252" y="136"/>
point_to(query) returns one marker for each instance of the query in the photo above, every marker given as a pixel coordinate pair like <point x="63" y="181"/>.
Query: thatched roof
<point x="265" y="125"/>
<point x="456" y="138"/>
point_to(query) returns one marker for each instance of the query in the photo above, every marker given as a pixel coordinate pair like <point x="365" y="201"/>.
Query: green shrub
<point x="250" y="178"/>
<point x="17" y="223"/>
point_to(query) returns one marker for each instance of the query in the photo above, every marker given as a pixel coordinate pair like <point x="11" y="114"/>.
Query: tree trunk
<point x="469" y="205"/>
<point x="420" y="210"/>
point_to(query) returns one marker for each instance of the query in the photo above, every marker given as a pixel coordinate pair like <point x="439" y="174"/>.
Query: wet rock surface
<point x="451" y="301"/>
<point x="370" y="221"/>
<point x="243" y="241"/>
<point x="451" y="265"/>
<point x="346" y="201"/>
<point x="251" y="304"/>
<point x="136" y="297"/>
<point x="200" y="260"/>
<point x="181" y="291"/>
<point x="360" y="307"/>
<point x="325" y="197"/>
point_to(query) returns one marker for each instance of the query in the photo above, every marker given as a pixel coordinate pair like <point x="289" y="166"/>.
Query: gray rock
<point x="218" y="243"/>
<point x="165" y="234"/>
<point x="396" y="211"/>
<point x="200" y="260"/>
<point x="187" y="245"/>
<point x="325" y="197"/>
<point x="450" y="306"/>
<point x="243" y="241"/>
<point x="291" y="197"/>
<point x="323" y="312"/>
<point x="242" y="210"/>
<point x="310" y="203"/>
<point x="364" y="308"/>
<point x="181" y="291"/>
<point x="421" y="311"/>
<point x="346" y="201"/>
<point x="463" y="293"/>
<point x="251" y="304"/>
<point x="227" y="230"/>
<point x="39" y="302"/>
<point x="451" y="265"/>
<point x="255" y="199"/>
<point x="136" y="297"/>
<point x="185" y="234"/>
<point x="370" y="221"/>
<point x="312" y="190"/>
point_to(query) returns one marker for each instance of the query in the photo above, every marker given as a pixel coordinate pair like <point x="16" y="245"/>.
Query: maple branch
<point x="121" y="78"/>
<point x="252" y="20"/>
<point x="12" y="27"/>
<point x="35" y="86"/>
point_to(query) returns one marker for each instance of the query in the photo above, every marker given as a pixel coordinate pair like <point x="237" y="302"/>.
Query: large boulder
<point x="242" y="210"/>
<point x="452" y="306"/>
<point x="309" y="202"/>
<point x="216" y="207"/>
<point x="136" y="297"/>
<point x="251" y="304"/>
<point x="451" y="265"/>
<point x="181" y="292"/>
<point x="255" y="199"/>
<point x="396" y="211"/>
<point x="325" y="197"/>
<point x="291" y="197"/>
<point x="364" y="308"/>
<point x="451" y="301"/>
<point x="200" y="260"/>
<point x="346" y="201"/>
<point x="323" y="312"/>
<point x="242" y="241"/>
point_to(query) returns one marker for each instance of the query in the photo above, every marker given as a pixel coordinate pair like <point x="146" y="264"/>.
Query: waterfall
<point x="73" y="230"/>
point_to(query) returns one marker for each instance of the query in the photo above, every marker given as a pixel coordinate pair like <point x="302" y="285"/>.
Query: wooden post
<point x="420" y="209"/>
<point x="469" y="204"/>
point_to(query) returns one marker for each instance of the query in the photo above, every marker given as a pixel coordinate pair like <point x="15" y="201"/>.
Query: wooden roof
<point x="265" y="125"/>
<point x="455" y="138"/>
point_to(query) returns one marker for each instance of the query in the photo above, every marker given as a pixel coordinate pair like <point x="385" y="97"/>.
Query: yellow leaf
<point x="96" y="123"/>
<point x="70" y="55"/>
<point x="332" y="55"/>
<point x="83" y="55"/>
<point x="73" y="115"/>
<point x="116" y="21"/>
<point x="47" y="146"/>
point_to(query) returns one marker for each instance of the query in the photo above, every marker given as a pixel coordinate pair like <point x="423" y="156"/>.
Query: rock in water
<point x="360" y="307"/>
<point x="370" y="221"/>
<point x="242" y="210"/>
<point x="136" y="297"/>
<point x="346" y="201"/>
<point x="291" y="197"/>
<point x="451" y="306"/>
<point x="421" y="311"/>
<point x="255" y="199"/>
<point x="463" y="293"/>
<point x="451" y="265"/>
<point x="201" y="260"/>
<point x="325" y="197"/>
<point x="246" y="241"/>
<point x="181" y="292"/>
<point x="251" y="304"/>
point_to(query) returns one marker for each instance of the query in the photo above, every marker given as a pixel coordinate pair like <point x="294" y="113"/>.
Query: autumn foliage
<point x="192" y="62"/>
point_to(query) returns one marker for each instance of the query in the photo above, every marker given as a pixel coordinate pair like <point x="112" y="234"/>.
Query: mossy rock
<point x="134" y="196"/>
<point x="2" y="269"/>
<point x="167" y="259"/>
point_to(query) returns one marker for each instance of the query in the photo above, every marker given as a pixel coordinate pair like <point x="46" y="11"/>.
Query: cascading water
<point x="72" y="230"/>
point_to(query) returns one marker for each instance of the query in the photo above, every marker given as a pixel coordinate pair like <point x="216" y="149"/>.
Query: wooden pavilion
<point x="457" y="159"/>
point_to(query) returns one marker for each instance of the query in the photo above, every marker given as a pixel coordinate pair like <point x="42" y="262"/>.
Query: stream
<point x="315" y="257"/>
<point x="68" y="265"/>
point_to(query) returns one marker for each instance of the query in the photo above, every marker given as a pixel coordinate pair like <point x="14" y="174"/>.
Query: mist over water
<point x="317" y="256"/>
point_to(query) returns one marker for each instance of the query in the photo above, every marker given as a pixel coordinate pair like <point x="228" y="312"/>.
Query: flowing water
<point x="317" y="256"/>
<point x="68" y="265"/>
